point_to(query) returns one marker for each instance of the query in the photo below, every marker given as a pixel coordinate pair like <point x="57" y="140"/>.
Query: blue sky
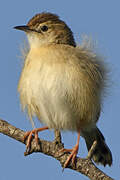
<point x="99" y="19"/>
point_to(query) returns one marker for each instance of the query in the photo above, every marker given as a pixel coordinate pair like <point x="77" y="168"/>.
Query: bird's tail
<point x="102" y="153"/>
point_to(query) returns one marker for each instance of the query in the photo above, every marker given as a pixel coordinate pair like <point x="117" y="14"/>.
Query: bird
<point x="63" y="85"/>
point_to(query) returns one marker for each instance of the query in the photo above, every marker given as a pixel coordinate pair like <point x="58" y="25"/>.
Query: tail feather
<point x="102" y="153"/>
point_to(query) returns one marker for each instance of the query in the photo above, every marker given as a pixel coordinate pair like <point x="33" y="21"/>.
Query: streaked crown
<point x="49" y="28"/>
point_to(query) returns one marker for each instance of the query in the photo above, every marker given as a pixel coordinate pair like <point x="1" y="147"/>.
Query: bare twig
<point x="57" y="136"/>
<point x="91" y="151"/>
<point x="84" y="166"/>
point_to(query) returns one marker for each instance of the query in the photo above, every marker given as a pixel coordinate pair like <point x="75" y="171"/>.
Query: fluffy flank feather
<point x="90" y="48"/>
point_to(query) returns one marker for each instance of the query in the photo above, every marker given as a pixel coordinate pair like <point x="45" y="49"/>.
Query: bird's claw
<point x="72" y="156"/>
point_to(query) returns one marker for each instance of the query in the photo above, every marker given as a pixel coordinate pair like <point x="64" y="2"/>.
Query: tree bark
<point x="84" y="166"/>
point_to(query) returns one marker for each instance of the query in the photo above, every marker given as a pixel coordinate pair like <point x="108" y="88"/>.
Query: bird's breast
<point x="55" y="92"/>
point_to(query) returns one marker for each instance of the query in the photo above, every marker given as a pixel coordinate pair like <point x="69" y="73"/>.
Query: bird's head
<point x="46" y="28"/>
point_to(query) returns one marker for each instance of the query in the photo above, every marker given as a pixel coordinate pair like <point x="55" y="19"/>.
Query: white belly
<point x="51" y="98"/>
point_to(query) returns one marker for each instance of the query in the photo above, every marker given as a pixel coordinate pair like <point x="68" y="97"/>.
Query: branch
<point x="84" y="166"/>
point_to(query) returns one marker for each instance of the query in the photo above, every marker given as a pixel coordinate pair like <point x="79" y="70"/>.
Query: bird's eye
<point x="44" y="28"/>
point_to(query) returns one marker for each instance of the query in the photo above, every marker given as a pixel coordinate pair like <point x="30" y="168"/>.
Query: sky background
<point x="99" y="19"/>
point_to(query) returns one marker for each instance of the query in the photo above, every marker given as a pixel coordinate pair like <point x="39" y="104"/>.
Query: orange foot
<point x="29" y="135"/>
<point x="73" y="151"/>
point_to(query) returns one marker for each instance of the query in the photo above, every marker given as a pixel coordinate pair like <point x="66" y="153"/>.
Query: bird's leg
<point x="30" y="133"/>
<point x="73" y="151"/>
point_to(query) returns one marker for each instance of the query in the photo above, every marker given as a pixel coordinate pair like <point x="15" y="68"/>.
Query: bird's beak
<point x="23" y="28"/>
